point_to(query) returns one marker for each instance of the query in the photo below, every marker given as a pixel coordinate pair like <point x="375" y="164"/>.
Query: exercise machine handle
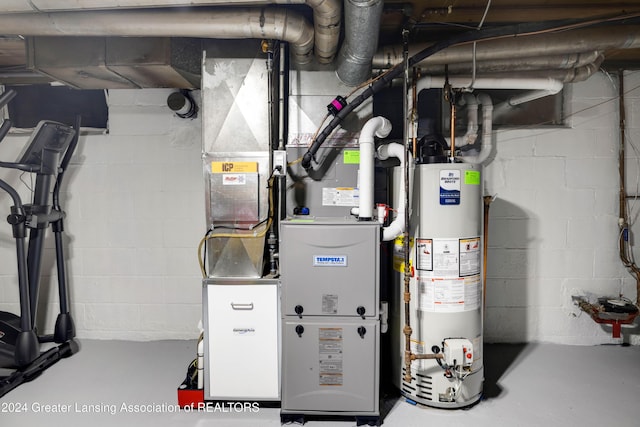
<point x="6" y="97"/>
<point x="4" y="100"/>
<point x="4" y="129"/>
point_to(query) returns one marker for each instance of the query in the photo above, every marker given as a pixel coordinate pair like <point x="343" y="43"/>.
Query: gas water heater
<point x="446" y="262"/>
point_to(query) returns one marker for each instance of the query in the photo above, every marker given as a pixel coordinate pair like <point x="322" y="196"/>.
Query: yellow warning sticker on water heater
<point x="398" y="254"/>
<point x="472" y="177"/>
<point x="234" y="167"/>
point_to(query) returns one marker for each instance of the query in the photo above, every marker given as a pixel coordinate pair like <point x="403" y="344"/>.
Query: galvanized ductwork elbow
<point x="361" y="27"/>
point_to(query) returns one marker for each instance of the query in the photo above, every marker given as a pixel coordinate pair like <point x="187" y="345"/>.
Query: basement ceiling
<point x="431" y="20"/>
<point x="427" y="21"/>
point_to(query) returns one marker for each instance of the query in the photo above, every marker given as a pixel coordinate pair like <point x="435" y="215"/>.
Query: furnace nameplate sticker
<point x="340" y="196"/>
<point x="330" y="356"/>
<point x="329" y="304"/>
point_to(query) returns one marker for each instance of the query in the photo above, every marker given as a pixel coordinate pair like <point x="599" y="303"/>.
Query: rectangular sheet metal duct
<point x="117" y="62"/>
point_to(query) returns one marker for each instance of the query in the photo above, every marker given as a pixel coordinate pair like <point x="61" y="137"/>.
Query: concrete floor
<point x="526" y="385"/>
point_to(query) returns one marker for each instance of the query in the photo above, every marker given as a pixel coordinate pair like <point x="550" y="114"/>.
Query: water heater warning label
<point x="440" y="295"/>
<point x="469" y="256"/>
<point x="424" y="254"/>
<point x="450" y="187"/>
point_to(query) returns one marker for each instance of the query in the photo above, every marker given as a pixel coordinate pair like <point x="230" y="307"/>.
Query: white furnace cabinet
<point x="241" y="321"/>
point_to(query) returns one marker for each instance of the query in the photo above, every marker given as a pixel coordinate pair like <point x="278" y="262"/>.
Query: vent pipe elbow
<point x="486" y="144"/>
<point x="362" y="25"/>
<point x="472" y="120"/>
<point x="380" y="127"/>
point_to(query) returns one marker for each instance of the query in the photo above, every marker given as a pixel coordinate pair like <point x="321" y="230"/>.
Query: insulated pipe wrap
<point x="327" y="16"/>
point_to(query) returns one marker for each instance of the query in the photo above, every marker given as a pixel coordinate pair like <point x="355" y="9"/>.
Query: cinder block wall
<point x="554" y="223"/>
<point x="135" y="202"/>
<point x="135" y="214"/>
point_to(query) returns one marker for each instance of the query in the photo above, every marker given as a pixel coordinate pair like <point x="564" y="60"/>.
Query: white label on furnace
<point x="234" y="179"/>
<point x="340" y="196"/>
<point x="330" y="347"/>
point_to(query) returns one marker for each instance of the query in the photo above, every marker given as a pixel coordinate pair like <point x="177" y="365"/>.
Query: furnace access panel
<point x="329" y="268"/>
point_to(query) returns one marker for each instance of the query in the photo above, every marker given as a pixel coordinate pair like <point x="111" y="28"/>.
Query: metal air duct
<point x="326" y="13"/>
<point x="362" y="24"/>
<point x="211" y="23"/>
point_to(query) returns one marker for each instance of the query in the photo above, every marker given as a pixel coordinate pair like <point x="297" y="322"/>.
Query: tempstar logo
<point x="329" y="260"/>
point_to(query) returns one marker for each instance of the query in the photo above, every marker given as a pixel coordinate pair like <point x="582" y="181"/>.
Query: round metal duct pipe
<point x="361" y="27"/>
<point x="326" y="13"/>
<point x="270" y="23"/>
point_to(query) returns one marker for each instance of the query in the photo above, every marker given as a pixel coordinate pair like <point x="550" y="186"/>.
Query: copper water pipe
<point x="406" y="242"/>
<point x="453" y="133"/>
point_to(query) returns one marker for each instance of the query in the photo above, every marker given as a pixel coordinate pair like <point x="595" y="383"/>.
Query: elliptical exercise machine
<point x="47" y="154"/>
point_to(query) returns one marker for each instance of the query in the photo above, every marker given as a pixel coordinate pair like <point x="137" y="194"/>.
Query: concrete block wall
<point x="135" y="203"/>
<point x="554" y="223"/>
<point x="135" y="213"/>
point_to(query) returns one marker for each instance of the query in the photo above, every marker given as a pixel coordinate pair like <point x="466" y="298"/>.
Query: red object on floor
<point x="190" y="397"/>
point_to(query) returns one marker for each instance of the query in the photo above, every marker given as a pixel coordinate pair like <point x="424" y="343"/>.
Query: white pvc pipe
<point x="486" y="144"/>
<point x="200" y="363"/>
<point x="539" y="87"/>
<point x="380" y="127"/>
<point x="550" y="85"/>
<point x="397" y="226"/>
<point x="472" y="121"/>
